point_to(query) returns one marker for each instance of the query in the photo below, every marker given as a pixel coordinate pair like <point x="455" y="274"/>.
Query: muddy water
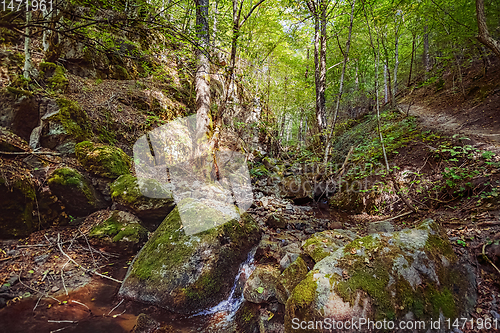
<point x="88" y="310"/>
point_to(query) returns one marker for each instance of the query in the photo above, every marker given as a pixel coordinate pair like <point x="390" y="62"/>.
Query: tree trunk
<point x="322" y="69"/>
<point x="386" y="93"/>
<point x="341" y="88"/>
<point x="29" y="70"/>
<point x="484" y="35"/>
<point x="396" y="64"/>
<point x="202" y="79"/>
<point x="411" y="61"/>
<point x="426" y="60"/>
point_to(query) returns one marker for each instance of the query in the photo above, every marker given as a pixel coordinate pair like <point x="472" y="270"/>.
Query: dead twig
<point x="28" y="153"/>
<point x="488" y="223"/>
<point x="395" y="217"/>
<point x="91" y="271"/>
<point x="115" y="307"/>
<point x="73" y="301"/>
<point x="488" y="259"/>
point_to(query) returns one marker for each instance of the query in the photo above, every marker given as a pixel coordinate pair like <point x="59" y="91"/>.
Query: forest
<point x="249" y="166"/>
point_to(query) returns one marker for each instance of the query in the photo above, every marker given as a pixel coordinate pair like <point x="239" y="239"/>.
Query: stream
<point x="88" y="310"/>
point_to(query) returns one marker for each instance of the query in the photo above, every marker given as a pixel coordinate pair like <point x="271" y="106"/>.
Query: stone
<point x="380" y="226"/>
<point x="102" y="160"/>
<point x="276" y="221"/>
<point x="64" y="123"/>
<point x="413" y="273"/>
<point x="148" y="199"/>
<point x="121" y="230"/>
<point x="292" y="276"/>
<point x="262" y="286"/>
<point x="75" y="191"/>
<point x="17" y="202"/>
<point x="145" y="324"/>
<point x="18" y="111"/>
<point x="324" y="243"/>
<point x="187" y="273"/>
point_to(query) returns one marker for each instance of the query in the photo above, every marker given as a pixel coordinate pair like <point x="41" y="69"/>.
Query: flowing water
<point x="88" y="310"/>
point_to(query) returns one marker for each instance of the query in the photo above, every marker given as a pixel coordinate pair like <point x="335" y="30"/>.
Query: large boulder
<point x="120" y="230"/>
<point x="407" y="275"/>
<point x="102" y="160"/>
<point x="292" y="276"/>
<point x="18" y="111"/>
<point x="63" y="124"/>
<point x="17" y="202"/>
<point x="77" y="194"/>
<point x="262" y="286"/>
<point x="186" y="273"/>
<point x="148" y="199"/>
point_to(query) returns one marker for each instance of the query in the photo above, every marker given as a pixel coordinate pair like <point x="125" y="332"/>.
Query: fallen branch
<point x="395" y="217"/>
<point x="62" y="321"/>
<point x="28" y="153"/>
<point x="91" y="271"/>
<point x="73" y="301"/>
<point x="488" y="259"/>
<point x="113" y="309"/>
<point x="488" y="223"/>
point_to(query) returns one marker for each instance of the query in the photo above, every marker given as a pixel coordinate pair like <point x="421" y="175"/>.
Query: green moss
<point x="436" y="244"/>
<point x="18" y="92"/>
<point x="305" y="292"/>
<point x="293" y="274"/>
<point x="58" y="81"/>
<point x="374" y="282"/>
<point x="121" y="73"/>
<point x="126" y="188"/>
<point x="73" y="119"/>
<point x="71" y="177"/>
<point x="103" y="160"/>
<point x="117" y="231"/>
<point x="369" y="242"/>
<point x="46" y="66"/>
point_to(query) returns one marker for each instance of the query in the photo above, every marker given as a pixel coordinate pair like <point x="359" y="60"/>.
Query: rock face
<point x="187" y="273"/>
<point x="63" y="124"/>
<point x="11" y="142"/>
<point x="17" y="201"/>
<point x="324" y="243"/>
<point x="77" y="194"/>
<point x="120" y="230"/>
<point x="102" y="160"/>
<point x="18" y="111"/>
<point x="146" y="198"/>
<point x="411" y="274"/>
<point x="262" y="286"/>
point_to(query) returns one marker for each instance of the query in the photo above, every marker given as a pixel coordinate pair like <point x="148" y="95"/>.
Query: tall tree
<point x="202" y="79"/>
<point x="484" y="35"/>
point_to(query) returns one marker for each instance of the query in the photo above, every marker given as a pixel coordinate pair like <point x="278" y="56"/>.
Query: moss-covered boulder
<point x="120" y="230"/>
<point x="148" y="199"/>
<point x="408" y="274"/>
<point x="292" y="276"/>
<point x="17" y="202"/>
<point x="54" y="76"/>
<point x="324" y="243"/>
<point x="263" y="287"/>
<point x="102" y="160"/>
<point x="63" y="125"/>
<point x="76" y="192"/>
<point x="187" y="273"/>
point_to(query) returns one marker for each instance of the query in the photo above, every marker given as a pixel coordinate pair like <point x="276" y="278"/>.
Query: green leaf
<point x="31" y="271"/>
<point x="260" y="290"/>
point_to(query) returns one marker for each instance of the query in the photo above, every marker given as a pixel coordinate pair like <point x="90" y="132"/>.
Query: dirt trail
<point x="485" y="135"/>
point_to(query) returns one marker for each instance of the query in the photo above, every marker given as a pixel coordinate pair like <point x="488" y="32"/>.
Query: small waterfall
<point x="223" y="313"/>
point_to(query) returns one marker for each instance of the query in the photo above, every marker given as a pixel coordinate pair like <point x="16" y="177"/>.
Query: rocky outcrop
<point x="102" y="160"/>
<point x="187" y="273"/>
<point x="18" y="111"/>
<point x="148" y="199"/>
<point x="120" y="230"/>
<point x="322" y="244"/>
<point x="17" y="202"/>
<point x="411" y="274"/>
<point x="63" y="124"/>
<point x="263" y="287"/>
<point x="76" y="192"/>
